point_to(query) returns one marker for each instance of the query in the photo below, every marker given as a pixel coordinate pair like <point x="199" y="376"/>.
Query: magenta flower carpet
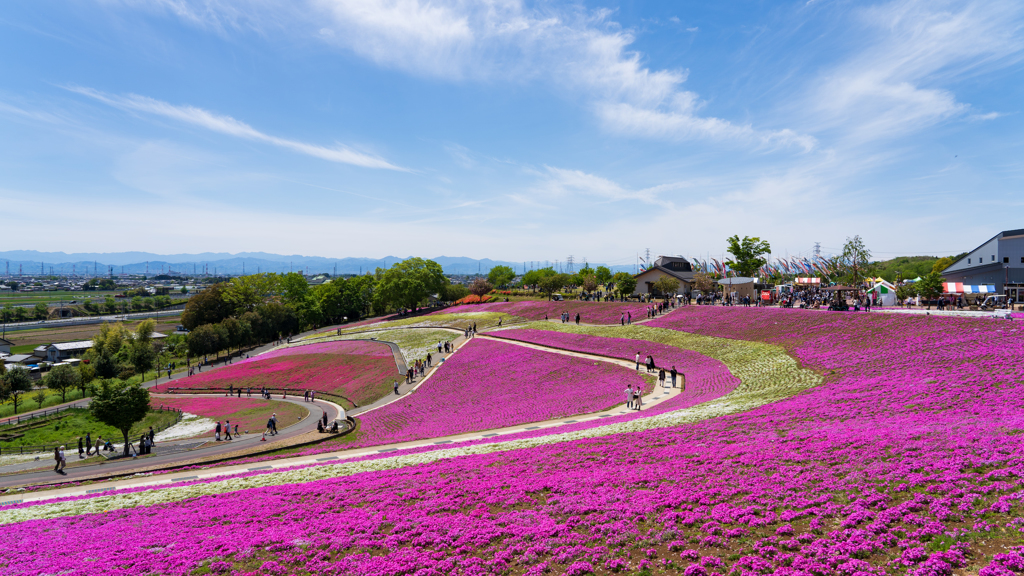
<point x="358" y="370"/>
<point x="590" y="312"/>
<point x="490" y="384"/>
<point x="906" y="460"/>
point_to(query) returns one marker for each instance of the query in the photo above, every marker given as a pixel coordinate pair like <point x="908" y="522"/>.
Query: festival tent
<point x="809" y="281"/>
<point x="961" y="288"/>
<point x="885" y="293"/>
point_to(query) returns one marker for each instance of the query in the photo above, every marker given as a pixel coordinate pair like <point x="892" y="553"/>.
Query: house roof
<point x="17" y="358"/>
<point x="1003" y="234"/>
<point x="736" y="280"/>
<point x="80" y="345"/>
<point x="6" y="342"/>
<point x="681" y="276"/>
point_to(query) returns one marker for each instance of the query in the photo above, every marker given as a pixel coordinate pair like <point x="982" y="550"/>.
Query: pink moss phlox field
<point x="905" y="461"/>
<point x="247" y="413"/>
<point x="491" y="384"/>
<point x="590" y="312"/>
<point x="354" y="369"/>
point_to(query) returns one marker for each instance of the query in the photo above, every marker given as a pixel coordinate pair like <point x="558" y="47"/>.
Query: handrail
<point x="286" y="391"/>
<point x="25" y="418"/>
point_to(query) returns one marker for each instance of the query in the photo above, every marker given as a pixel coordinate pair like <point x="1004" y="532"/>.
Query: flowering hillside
<point x="360" y="371"/>
<point x="906" y="460"/>
<point x="590" y="312"/>
<point x="492" y="385"/>
<point x="248" y="413"/>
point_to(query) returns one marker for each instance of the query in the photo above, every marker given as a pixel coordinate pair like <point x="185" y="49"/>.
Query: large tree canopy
<point x="501" y="275"/>
<point x="121" y="405"/>
<point x="207" y="307"/>
<point x="245" y="293"/>
<point x="747" y="254"/>
<point x="410" y="282"/>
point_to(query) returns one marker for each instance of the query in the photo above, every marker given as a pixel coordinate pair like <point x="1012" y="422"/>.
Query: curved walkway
<point x="172" y="453"/>
<point x="657" y="396"/>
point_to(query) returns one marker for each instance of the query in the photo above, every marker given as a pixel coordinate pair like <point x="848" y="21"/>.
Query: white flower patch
<point x="190" y="425"/>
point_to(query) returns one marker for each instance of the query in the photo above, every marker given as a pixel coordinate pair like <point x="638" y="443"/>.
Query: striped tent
<point x="807" y="281"/>
<point x="961" y="288"/>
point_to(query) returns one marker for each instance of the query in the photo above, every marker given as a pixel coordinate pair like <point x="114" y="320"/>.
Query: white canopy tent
<point x="884" y="293"/>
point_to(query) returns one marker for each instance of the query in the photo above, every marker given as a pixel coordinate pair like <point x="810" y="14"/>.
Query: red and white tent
<point x="810" y="281"/>
<point x="961" y="288"/>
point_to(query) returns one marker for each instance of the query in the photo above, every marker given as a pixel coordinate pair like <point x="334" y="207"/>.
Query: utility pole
<point x="817" y="250"/>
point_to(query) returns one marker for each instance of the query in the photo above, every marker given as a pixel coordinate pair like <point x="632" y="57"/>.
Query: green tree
<point x="602" y="274"/>
<point x="666" y="286"/>
<point x="41" y="312"/>
<point x="551" y="284"/>
<point x="141" y="353"/>
<point x="501" y="275"/>
<point x="204" y="340"/>
<point x="747" y="253"/>
<point x="17" y="382"/>
<point x="453" y="292"/>
<point x="120" y="405"/>
<point x="245" y="293"/>
<point x="625" y="284"/>
<point x="930" y="286"/>
<point x="533" y="277"/>
<point x="39" y="397"/>
<point x="62" y="379"/>
<point x="294" y="288"/>
<point x="206" y="307"/>
<point x="589" y="283"/>
<point x="7" y="313"/>
<point x="409" y="282"/>
<point x="111" y="305"/>
<point x="854" y="260"/>
<point x="86" y="374"/>
<point x="941" y="264"/>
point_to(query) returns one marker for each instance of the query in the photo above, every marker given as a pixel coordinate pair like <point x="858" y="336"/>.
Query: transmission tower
<point x="568" y="264"/>
<point x="817" y="249"/>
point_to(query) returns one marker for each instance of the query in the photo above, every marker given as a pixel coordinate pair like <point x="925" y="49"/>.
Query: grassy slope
<point x="76" y="422"/>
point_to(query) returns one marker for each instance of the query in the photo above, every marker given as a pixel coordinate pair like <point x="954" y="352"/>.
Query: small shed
<point x="739" y="286"/>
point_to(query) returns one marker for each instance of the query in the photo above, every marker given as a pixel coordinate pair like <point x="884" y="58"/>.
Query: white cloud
<point x="894" y="85"/>
<point x="232" y="127"/>
<point x="560" y="183"/>
<point x="575" y="50"/>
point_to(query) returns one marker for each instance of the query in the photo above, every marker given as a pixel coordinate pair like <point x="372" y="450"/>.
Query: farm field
<point x="29" y="339"/>
<point x="852" y="444"/>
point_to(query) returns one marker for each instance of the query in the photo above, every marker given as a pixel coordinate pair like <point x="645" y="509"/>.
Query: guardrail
<point x="49" y="447"/>
<point x="225" y="392"/>
<point x="26" y="417"/>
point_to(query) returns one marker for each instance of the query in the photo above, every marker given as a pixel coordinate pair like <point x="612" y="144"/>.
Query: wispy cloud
<point x="911" y="50"/>
<point x="561" y="182"/>
<point x="232" y="127"/>
<point x="572" y="49"/>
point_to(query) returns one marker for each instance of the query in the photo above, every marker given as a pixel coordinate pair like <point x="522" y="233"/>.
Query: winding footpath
<point x="656" y="397"/>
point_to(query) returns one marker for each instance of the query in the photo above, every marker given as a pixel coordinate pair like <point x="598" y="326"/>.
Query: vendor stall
<point x="882" y="293"/>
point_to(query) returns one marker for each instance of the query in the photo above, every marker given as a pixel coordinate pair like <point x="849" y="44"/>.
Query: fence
<point x="50" y="447"/>
<point x="26" y="417"/>
<point x="283" y="391"/>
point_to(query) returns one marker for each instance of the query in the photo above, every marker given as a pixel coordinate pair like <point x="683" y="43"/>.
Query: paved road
<point x="172" y="455"/>
<point x="84" y="320"/>
<point x="657" y="396"/>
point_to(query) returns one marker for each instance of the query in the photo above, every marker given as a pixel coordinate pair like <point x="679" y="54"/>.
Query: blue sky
<point x="506" y="129"/>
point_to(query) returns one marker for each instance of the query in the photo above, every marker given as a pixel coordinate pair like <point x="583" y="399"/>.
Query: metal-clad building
<point x="998" y="261"/>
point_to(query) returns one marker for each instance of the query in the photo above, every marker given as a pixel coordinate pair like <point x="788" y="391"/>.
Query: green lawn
<point x="75" y="423"/>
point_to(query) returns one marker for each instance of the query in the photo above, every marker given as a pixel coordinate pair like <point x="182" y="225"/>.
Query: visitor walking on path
<point x="273" y="420"/>
<point x="674" y="373"/>
<point x="629" y="395"/>
<point x="58" y="455"/>
<point x="577" y="318"/>
<point x="637" y="401"/>
<point x="661" y="377"/>
<point x="396" y="387"/>
<point x="622" y="319"/>
<point x="81" y="449"/>
<point x="638" y="361"/>
<point x="88" y="444"/>
<point x="217" y="432"/>
<point x="227" y="429"/>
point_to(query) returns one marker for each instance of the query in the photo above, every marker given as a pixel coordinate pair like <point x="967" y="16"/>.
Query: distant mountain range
<point x="31" y="262"/>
